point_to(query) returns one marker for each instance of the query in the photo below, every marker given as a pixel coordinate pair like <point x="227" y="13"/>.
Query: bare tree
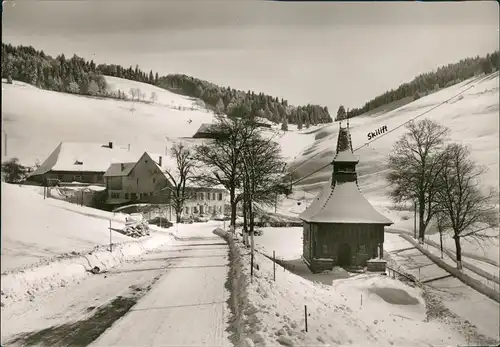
<point x="181" y="175"/>
<point x="414" y="165"/>
<point x="135" y="93"/>
<point x="153" y="98"/>
<point x="469" y="211"/>
<point x="222" y="156"/>
<point x="442" y="224"/>
<point x="262" y="175"/>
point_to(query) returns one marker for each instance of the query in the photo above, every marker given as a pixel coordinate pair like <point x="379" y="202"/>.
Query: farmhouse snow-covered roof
<point x="345" y="204"/>
<point x="84" y="157"/>
<point x="119" y="169"/>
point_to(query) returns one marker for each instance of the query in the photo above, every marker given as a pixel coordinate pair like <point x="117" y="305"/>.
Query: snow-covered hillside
<point x="472" y="118"/>
<point x="37" y="120"/>
<point x="36" y="229"/>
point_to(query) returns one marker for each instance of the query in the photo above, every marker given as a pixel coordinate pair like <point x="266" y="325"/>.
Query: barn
<point x="341" y="228"/>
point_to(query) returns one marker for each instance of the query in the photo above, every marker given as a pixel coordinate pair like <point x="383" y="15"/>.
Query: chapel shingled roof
<point x="342" y="202"/>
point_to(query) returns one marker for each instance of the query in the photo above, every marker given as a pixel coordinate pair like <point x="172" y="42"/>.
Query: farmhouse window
<point x="220" y="196"/>
<point x="126" y="195"/>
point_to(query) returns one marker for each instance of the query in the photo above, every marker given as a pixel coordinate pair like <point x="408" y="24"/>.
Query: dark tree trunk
<point x="458" y="251"/>
<point x="421" y="222"/>
<point x="245" y="221"/>
<point x="233" y="209"/>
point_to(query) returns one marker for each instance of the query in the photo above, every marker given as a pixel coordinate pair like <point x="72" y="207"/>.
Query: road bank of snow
<point x="27" y="283"/>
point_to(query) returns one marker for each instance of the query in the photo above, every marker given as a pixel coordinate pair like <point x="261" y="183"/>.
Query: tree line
<point x="74" y="75"/>
<point x="443" y="182"/>
<point x="225" y="99"/>
<point x="426" y="83"/>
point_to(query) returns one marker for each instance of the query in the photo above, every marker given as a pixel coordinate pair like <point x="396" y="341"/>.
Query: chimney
<point x="111" y="145"/>
<point x="159" y="161"/>
<point x="122" y="166"/>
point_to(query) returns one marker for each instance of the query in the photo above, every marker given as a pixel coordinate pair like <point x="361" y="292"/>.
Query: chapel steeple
<point x="344" y="163"/>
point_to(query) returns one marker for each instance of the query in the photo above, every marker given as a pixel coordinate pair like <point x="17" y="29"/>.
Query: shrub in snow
<point x="136" y="226"/>
<point x="13" y="171"/>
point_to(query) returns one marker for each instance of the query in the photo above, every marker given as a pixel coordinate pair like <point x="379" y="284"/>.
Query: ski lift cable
<point x="378" y="137"/>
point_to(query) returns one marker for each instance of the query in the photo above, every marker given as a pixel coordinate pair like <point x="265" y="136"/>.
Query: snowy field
<point x="35" y="229"/>
<point x="364" y="310"/>
<point x="37" y="120"/>
<point x="465" y="303"/>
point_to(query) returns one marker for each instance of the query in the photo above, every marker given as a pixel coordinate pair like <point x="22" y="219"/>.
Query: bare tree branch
<point x="468" y="210"/>
<point x="414" y="164"/>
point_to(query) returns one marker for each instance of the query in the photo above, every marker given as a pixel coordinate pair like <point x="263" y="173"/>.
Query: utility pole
<point x="5" y="143"/>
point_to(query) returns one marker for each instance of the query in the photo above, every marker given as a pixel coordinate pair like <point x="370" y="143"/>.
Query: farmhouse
<point x="341" y="227"/>
<point x="146" y="181"/>
<point x="206" y="201"/>
<point x="79" y="162"/>
<point x="139" y="181"/>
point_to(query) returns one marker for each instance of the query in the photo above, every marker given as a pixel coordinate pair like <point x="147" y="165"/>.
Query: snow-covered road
<point x="174" y="296"/>
<point x="187" y="307"/>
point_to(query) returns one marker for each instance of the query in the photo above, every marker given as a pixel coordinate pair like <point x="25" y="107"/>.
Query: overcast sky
<point x="327" y="53"/>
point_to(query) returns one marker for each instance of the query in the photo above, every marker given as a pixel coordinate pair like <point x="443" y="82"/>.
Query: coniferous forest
<point x="423" y="84"/>
<point x="79" y="76"/>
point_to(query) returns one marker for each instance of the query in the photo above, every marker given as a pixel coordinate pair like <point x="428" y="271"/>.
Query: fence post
<point x="110" y="241"/>
<point x="274" y="266"/>
<point x="305" y="315"/>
